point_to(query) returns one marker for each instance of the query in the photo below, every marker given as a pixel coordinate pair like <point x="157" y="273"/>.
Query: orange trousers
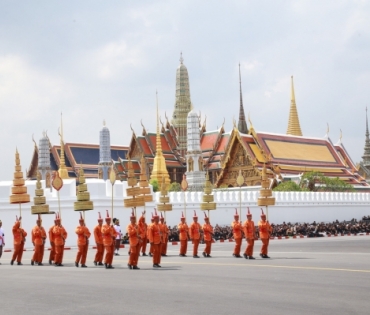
<point x="99" y="253"/>
<point x="249" y="249"/>
<point x="52" y="252"/>
<point x="156" y="254"/>
<point x="134" y="254"/>
<point x="38" y="255"/>
<point x="238" y="244"/>
<point x="143" y="245"/>
<point x="183" y="247"/>
<point x="18" y="252"/>
<point x="81" y="254"/>
<point x="151" y="249"/>
<point x="109" y="254"/>
<point x="195" y="247"/>
<point x="164" y="247"/>
<point x="59" y="251"/>
<point x="265" y="245"/>
<point x="207" y="250"/>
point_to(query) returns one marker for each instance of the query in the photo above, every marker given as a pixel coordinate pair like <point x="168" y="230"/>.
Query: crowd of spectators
<point x="313" y="229"/>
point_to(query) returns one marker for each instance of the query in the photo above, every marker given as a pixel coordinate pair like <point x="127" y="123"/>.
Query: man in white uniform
<point x="2" y="239"/>
<point x="117" y="227"/>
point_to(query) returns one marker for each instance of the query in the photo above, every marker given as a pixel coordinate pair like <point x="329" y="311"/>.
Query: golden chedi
<point x="19" y="190"/>
<point x="265" y="198"/>
<point x="208" y="199"/>
<point x="83" y="202"/>
<point x="40" y="206"/>
<point x="164" y="199"/>
<point x="135" y="199"/>
<point x="143" y="182"/>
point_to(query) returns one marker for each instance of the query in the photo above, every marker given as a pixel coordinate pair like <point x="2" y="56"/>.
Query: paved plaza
<point x="303" y="276"/>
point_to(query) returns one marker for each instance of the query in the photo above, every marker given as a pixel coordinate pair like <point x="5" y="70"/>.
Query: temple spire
<point x="242" y="124"/>
<point x="366" y="156"/>
<point x="182" y="106"/>
<point x="63" y="172"/>
<point x="159" y="165"/>
<point x="294" y="127"/>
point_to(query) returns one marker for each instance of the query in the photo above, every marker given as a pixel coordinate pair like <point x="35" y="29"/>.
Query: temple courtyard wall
<point x="289" y="207"/>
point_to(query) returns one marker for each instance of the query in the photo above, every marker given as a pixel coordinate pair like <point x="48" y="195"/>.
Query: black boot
<point x="100" y="264"/>
<point x="83" y="266"/>
<point x="12" y="262"/>
<point x="95" y="263"/>
<point x="135" y="267"/>
<point x="129" y="266"/>
<point x="76" y="264"/>
<point x="32" y="263"/>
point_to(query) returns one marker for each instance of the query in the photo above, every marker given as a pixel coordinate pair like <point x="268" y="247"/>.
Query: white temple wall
<point x="290" y="207"/>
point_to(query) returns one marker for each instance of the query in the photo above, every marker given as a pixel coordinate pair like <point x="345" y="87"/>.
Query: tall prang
<point x="105" y="159"/>
<point x="195" y="174"/>
<point x="182" y="106"/>
<point x="44" y="157"/>
<point x="242" y="124"/>
<point x="294" y="127"/>
<point x="366" y="156"/>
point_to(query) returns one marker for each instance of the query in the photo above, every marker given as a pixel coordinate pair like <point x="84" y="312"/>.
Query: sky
<point x="104" y="60"/>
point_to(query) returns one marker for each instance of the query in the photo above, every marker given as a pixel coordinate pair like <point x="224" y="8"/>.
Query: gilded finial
<point x="327" y="129"/>
<point x="181" y="59"/>
<point x="249" y="119"/>
<point x="340" y="135"/>
<point x="104" y="122"/>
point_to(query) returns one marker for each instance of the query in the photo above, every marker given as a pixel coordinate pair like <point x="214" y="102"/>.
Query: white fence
<point x="290" y="206"/>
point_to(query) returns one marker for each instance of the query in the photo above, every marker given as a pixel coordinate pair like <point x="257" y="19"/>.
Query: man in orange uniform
<point x="109" y="236"/>
<point x="147" y="235"/>
<point x="135" y="242"/>
<point x="143" y="233"/>
<point x="264" y="230"/>
<point x="99" y="243"/>
<point x="183" y="236"/>
<point x="237" y="233"/>
<point x="249" y="231"/>
<point x="164" y="232"/>
<point x="83" y="235"/>
<point x="194" y="233"/>
<point x="52" y="244"/>
<point x="38" y="240"/>
<point x="59" y="237"/>
<point x="208" y="233"/>
<point x="19" y="239"/>
<point x="155" y="240"/>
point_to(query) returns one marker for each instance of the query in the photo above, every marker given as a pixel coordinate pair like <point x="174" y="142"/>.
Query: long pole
<point x="267" y="212"/>
<point x="240" y="202"/>
<point x="112" y="201"/>
<point x="185" y="204"/>
<point x="20" y="212"/>
<point x="60" y="211"/>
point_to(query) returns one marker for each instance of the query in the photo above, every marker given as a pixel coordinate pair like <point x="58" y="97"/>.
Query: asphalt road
<point x="303" y="276"/>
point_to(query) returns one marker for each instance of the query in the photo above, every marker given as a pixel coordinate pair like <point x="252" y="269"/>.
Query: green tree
<point x="174" y="187"/>
<point x="316" y="181"/>
<point x="287" y="186"/>
<point x="155" y="184"/>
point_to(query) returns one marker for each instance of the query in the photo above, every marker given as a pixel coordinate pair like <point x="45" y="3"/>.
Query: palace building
<point x="185" y="146"/>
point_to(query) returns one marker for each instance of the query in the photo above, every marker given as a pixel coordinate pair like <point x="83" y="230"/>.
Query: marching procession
<point x="139" y="233"/>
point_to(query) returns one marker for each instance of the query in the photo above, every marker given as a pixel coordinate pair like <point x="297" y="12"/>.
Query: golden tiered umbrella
<point x="57" y="184"/>
<point x="83" y="202"/>
<point x="40" y="206"/>
<point x="135" y="198"/>
<point x="265" y="198"/>
<point x="19" y="190"/>
<point x="208" y="199"/>
<point x="164" y="199"/>
<point x="112" y="179"/>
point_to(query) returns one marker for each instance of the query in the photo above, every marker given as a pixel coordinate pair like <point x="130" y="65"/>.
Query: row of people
<point x="139" y="234"/>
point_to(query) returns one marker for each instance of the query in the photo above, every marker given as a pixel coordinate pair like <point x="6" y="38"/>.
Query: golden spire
<point x="63" y="173"/>
<point x="294" y="127"/>
<point x="159" y="165"/>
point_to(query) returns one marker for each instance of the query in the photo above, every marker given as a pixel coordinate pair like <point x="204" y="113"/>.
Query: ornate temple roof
<point x="76" y="154"/>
